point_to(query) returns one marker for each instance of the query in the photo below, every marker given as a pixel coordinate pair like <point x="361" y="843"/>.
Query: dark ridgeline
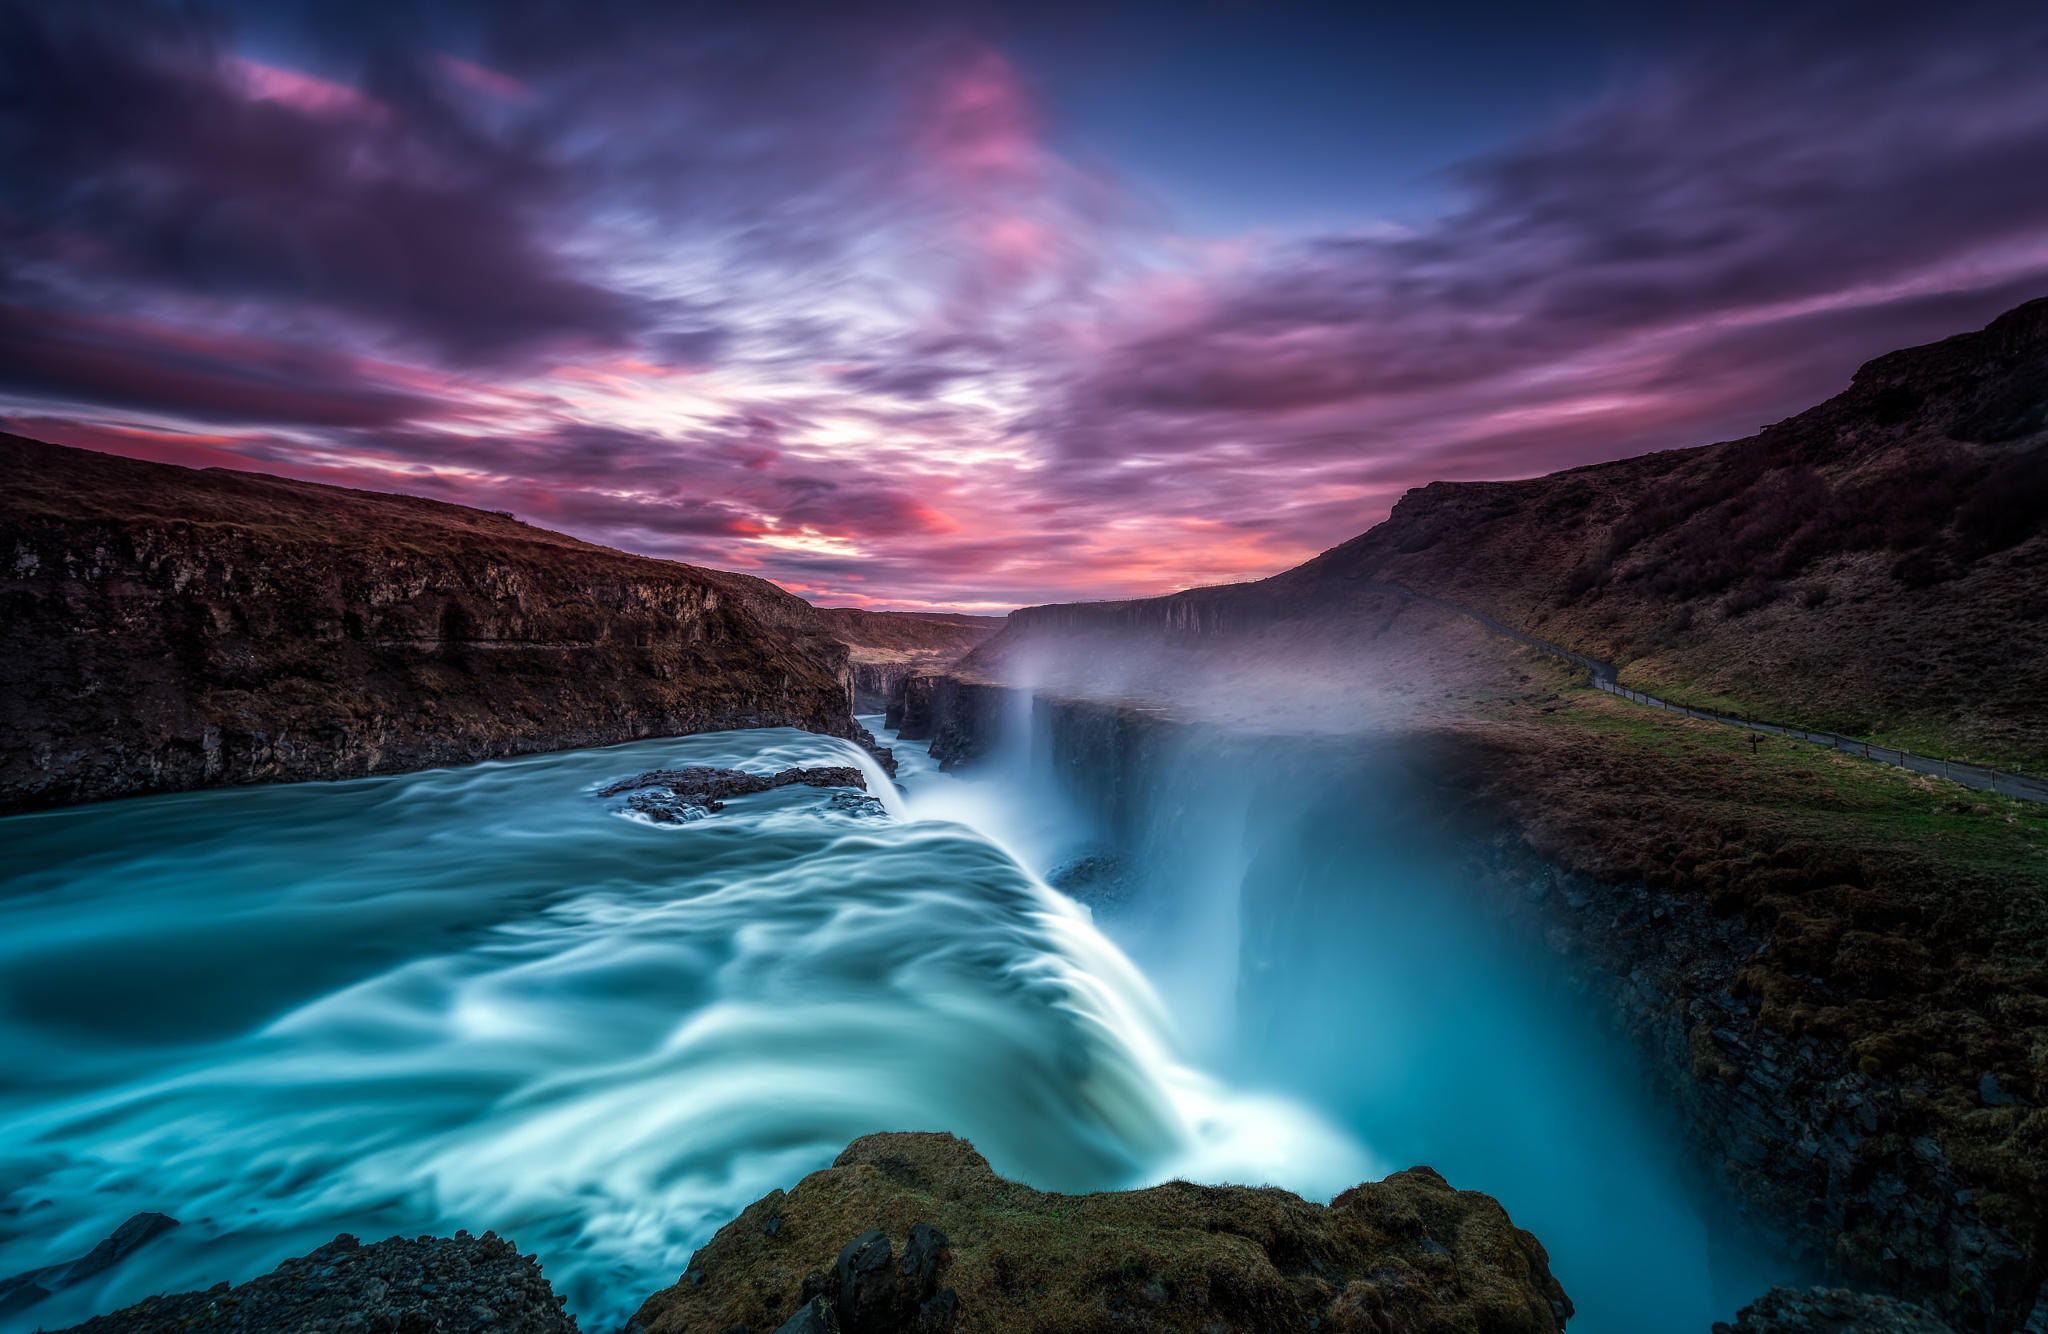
<point x="1878" y="563"/>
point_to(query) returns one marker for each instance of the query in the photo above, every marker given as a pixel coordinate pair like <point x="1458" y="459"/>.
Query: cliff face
<point x="890" y="647"/>
<point x="166" y="629"/>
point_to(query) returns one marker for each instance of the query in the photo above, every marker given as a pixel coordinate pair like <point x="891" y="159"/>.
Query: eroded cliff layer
<point x="166" y="628"/>
<point x="889" y="647"/>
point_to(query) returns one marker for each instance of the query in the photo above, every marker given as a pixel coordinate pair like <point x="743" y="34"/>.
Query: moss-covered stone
<point x="1406" y="1254"/>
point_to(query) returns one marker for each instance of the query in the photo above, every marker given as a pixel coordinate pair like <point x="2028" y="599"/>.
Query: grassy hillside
<point x="1876" y="566"/>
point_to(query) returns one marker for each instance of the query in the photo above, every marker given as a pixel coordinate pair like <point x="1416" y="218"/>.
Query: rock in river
<point x="718" y="784"/>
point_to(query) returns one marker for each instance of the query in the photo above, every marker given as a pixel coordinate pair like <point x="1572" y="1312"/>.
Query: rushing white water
<point x="1288" y="901"/>
<point x="480" y="998"/>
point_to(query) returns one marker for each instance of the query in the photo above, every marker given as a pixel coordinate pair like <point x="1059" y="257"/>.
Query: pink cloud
<point x="980" y="124"/>
<point x="834" y="309"/>
<point x="482" y="79"/>
<point x="1018" y="221"/>
<point x="300" y="91"/>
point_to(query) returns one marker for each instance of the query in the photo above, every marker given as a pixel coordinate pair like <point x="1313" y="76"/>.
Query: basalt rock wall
<point x="1097" y="750"/>
<point x="1844" y="1169"/>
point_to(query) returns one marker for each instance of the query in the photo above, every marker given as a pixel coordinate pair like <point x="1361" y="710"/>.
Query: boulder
<point x="718" y="784"/>
<point x="1831" y="1311"/>
<point x="668" y="808"/>
<point x="402" y="1284"/>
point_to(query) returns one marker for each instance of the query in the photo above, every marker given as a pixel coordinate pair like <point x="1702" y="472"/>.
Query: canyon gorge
<point x="1507" y="1002"/>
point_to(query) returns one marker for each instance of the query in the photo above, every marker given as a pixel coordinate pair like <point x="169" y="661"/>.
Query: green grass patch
<point x="1917" y="736"/>
<point x="1816" y="792"/>
<point x="1678" y="692"/>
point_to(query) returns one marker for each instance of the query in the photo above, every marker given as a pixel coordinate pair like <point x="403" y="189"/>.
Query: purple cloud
<point x="1764" y="219"/>
<point x="177" y="166"/>
<point x="820" y="297"/>
<point x="211" y="377"/>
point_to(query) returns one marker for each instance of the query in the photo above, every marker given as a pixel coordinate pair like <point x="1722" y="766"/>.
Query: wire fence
<point x="2025" y="787"/>
<point x="1978" y="776"/>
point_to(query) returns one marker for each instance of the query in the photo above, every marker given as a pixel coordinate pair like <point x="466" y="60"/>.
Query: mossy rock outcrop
<point x="1407" y="1255"/>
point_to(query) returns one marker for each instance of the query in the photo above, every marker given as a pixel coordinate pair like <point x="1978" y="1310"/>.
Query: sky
<point x="970" y="306"/>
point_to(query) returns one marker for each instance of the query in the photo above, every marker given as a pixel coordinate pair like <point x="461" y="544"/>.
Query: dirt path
<point x="1981" y="777"/>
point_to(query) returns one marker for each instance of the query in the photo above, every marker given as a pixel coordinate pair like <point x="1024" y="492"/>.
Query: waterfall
<point x="478" y="998"/>
<point x="1312" y="932"/>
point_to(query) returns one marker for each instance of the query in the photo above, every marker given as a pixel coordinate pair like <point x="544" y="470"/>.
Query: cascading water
<point x="1286" y="899"/>
<point x="479" y="998"/>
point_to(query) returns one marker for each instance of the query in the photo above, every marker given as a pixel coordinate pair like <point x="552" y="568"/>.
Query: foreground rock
<point x="1831" y="1311"/>
<point x="399" y="1286"/>
<point x="168" y="628"/>
<point x="914" y="1233"/>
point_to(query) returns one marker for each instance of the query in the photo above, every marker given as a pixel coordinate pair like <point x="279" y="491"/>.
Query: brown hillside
<point x="889" y="647"/>
<point x="1876" y="566"/>
<point x="907" y="631"/>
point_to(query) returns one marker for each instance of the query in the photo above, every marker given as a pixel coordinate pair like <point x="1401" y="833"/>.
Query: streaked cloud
<point x="835" y="299"/>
